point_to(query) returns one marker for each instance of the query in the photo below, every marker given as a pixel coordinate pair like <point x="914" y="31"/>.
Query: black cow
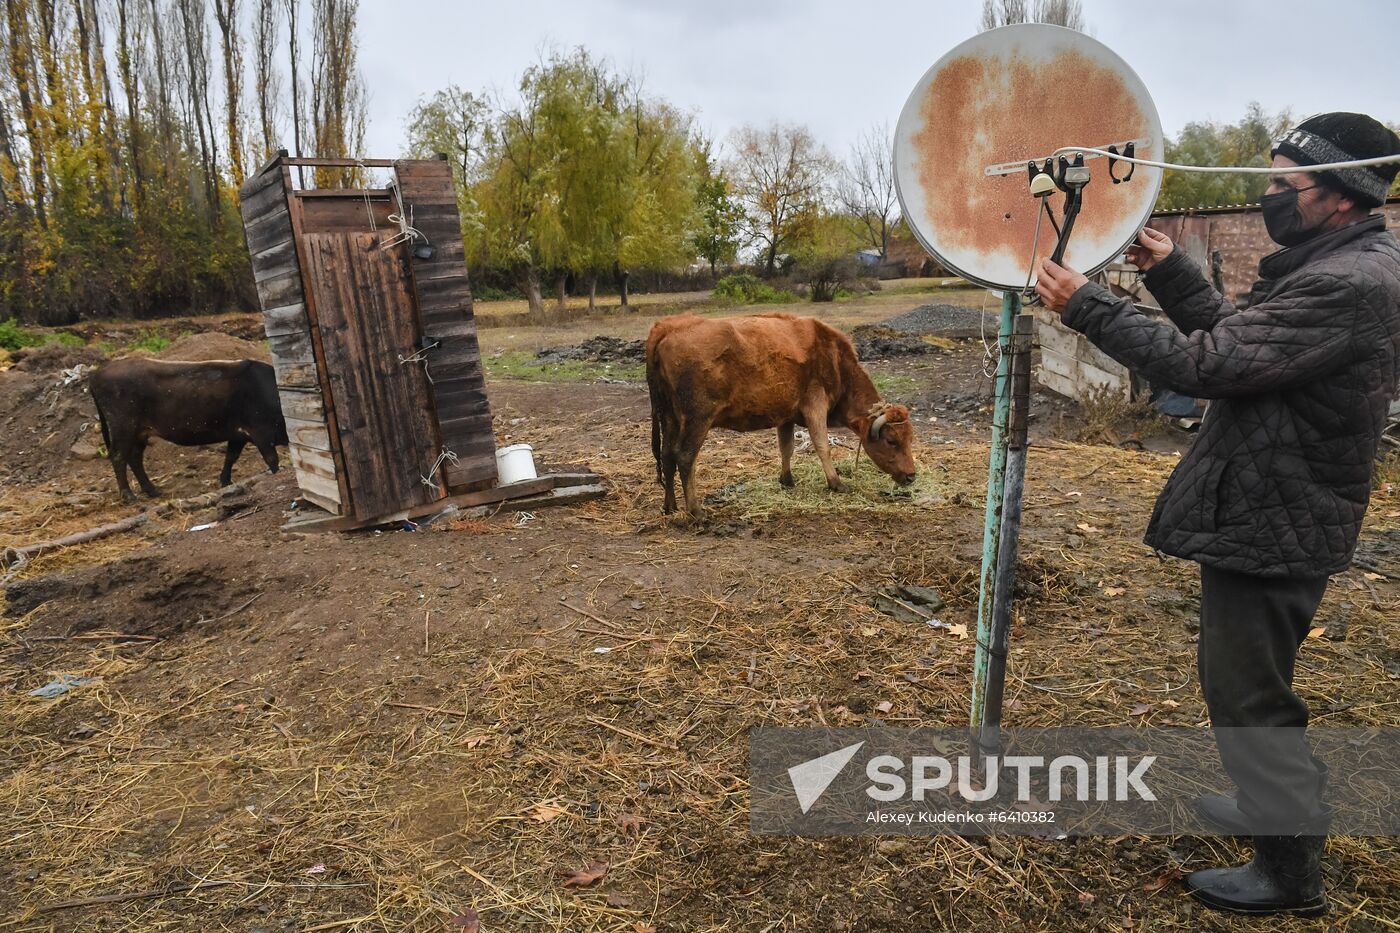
<point x="213" y="402"/>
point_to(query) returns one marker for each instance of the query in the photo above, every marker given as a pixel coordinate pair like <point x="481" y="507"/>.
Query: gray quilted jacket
<point x="1277" y="482"/>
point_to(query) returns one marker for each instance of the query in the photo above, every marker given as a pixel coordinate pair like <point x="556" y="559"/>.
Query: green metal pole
<point x="996" y="475"/>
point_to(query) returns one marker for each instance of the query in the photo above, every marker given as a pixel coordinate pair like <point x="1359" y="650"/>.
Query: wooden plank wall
<point x="384" y="416"/>
<point x="445" y="313"/>
<point x="1074" y="367"/>
<point x="267" y="225"/>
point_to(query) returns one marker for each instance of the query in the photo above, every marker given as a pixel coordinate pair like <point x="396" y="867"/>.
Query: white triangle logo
<point x="811" y="778"/>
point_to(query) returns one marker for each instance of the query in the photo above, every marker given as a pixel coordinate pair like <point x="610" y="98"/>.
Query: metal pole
<point x="996" y="474"/>
<point x="989" y="735"/>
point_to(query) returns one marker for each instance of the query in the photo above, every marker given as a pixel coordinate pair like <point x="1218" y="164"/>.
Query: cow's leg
<point x="119" y="457"/>
<point x="138" y="466"/>
<point x="785" y="441"/>
<point x="815" y="416"/>
<point x="670" y="440"/>
<point x="235" y="450"/>
<point x="692" y="436"/>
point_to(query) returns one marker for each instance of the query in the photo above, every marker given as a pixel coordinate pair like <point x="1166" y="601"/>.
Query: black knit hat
<point x="1343" y="137"/>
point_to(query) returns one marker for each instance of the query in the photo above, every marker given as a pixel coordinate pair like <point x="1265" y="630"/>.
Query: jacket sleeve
<point x="1301" y="334"/>
<point x="1182" y="290"/>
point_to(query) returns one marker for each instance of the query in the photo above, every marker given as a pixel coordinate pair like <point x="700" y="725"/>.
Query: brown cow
<point x="764" y="371"/>
<point x="212" y="402"/>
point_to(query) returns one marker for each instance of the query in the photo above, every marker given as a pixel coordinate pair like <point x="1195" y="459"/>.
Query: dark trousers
<point x="1251" y="628"/>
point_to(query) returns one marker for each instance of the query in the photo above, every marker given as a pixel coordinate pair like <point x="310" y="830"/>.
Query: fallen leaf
<point x="1085" y="526"/>
<point x="1161" y="881"/>
<point x="958" y="629"/>
<point x="869" y="632"/>
<point x="1172" y="703"/>
<point x="1373" y="577"/>
<point x="472" y="741"/>
<point x="1113" y="591"/>
<point x="1086" y="898"/>
<point x="1140" y="710"/>
<point x="1317" y="632"/>
<point x="546" y="812"/>
<point x="640" y="927"/>
<point x="467" y="920"/>
<point x="884" y="706"/>
<point x="630" y="823"/>
<point x="860" y="675"/>
<point x="583" y="877"/>
<point x="317" y="869"/>
<point x="615" y="899"/>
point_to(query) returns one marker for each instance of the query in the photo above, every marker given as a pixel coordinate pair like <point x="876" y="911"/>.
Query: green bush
<point x="63" y="338"/>
<point x="492" y="293"/>
<point x="745" y="289"/>
<point x="14" y="337"/>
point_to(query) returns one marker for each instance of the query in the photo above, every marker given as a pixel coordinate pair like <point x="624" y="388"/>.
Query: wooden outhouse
<point x="368" y="313"/>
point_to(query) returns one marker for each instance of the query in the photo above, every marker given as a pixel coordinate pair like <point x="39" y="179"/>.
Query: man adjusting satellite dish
<point x="1270" y="498"/>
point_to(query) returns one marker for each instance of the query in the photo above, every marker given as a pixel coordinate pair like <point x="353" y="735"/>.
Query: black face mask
<point x="1283" y="220"/>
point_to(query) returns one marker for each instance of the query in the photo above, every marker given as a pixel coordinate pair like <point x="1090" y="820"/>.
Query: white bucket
<point x="515" y="463"/>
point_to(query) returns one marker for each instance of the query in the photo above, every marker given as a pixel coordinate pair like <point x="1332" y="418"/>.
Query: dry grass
<point x="499" y="749"/>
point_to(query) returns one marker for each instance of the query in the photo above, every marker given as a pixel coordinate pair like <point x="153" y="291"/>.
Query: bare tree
<point x="195" y="35"/>
<point x="293" y="60"/>
<point x="337" y="90"/>
<point x="226" y="14"/>
<point x="128" y="39"/>
<point x="266" y="78"/>
<point x="865" y="186"/>
<point x="779" y="175"/>
<point x="22" y="72"/>
<point x="1067" y="13"/>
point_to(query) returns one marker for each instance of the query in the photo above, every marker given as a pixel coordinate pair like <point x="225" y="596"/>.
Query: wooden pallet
<point x="541" y="492"/>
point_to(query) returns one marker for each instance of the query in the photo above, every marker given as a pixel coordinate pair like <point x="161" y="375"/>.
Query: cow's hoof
<point x="838" y="486"/>
<point x="128" y="498"/>
<point x="155" y="492"/>
<point x="787" y="481"/>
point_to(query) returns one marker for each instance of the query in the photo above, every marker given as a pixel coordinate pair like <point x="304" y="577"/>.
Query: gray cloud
<point x="841" y="66"/>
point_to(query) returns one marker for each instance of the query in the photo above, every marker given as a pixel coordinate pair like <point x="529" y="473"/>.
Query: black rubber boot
<point x="1285" y="876"/>
<point x="1223" y="814"/>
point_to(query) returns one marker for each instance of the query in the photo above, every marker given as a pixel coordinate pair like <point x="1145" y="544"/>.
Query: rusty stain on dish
<point x="979" y="111"/>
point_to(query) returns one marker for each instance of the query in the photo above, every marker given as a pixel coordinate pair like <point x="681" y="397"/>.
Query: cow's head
<point x="889" y="438"/>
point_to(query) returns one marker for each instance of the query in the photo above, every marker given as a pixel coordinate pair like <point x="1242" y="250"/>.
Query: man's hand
<point x="1057" y="284"/>
<point x="1151" y="248"/>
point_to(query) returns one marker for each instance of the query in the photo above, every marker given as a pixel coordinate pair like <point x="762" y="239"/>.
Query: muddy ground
<point x="420" y="730"/>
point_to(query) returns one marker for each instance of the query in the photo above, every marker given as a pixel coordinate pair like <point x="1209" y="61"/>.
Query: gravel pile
<point x="879" y="342"/>
<point x="600" y="349"/>
<point x="943" y="320"/>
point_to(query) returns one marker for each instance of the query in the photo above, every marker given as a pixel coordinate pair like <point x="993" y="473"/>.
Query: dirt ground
<point x="539" y="721"/>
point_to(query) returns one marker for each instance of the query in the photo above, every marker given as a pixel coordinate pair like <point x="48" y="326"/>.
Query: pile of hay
<point x="198" y="348"/>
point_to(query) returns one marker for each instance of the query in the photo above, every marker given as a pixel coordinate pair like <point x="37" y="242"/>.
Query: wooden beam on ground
<point x="542" y="492"/>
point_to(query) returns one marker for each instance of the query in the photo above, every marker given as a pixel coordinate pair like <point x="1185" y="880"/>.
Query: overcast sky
<point x="839" y="66"/>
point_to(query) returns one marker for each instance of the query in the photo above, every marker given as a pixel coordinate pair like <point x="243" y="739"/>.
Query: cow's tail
<point x="658" y="399"/>
<point x="102" y="421"/>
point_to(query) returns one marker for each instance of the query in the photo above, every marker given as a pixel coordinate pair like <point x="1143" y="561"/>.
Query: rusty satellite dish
<point x="1004" y="98"/>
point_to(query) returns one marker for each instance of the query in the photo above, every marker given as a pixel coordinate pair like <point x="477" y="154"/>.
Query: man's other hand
<point x="1151" y="248"/>
<point x="1057" y="284"/>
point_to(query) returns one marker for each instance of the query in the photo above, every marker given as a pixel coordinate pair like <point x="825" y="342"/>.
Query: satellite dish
<point x="1004" y="98"/>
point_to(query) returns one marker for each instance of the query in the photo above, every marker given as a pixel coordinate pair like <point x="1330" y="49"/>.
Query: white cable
<point x="1035" y="245"/>
<point x="1229" y="169"/>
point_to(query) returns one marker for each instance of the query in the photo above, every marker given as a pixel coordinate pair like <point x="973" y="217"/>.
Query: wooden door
<point x="387" y="432"/>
